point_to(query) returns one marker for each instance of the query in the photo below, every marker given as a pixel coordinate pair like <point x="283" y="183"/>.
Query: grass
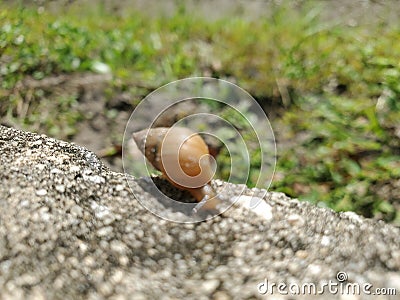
<point x="335" y="87"/>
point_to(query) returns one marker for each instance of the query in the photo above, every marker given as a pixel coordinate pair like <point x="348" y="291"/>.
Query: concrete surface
<point x="72" y="229"/>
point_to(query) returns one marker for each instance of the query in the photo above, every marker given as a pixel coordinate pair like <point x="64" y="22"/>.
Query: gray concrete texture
<point x="72" y="229"/>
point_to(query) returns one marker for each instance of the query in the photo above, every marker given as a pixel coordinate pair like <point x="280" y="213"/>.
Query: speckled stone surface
<point x="72" y="229"/>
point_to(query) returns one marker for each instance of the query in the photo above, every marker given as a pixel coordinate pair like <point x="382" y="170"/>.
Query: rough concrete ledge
<point x="72" y="229"/>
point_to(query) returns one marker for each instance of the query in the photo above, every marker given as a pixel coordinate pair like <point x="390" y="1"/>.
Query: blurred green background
<point x="326" y="73"/>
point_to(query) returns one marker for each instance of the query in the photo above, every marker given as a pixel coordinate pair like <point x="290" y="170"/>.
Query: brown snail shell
<point x="183" y="158"/>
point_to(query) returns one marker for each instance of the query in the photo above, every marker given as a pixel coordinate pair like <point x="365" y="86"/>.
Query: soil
<point x="102" y="132"/>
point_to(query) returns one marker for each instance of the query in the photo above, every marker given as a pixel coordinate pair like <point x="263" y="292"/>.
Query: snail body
<point x="183" y="158"/>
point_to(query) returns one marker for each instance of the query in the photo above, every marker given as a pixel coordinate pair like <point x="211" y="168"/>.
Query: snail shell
<point x="183" y="158"/>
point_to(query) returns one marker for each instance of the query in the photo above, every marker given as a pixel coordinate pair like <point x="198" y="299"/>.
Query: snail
<point x="184" y="159"/>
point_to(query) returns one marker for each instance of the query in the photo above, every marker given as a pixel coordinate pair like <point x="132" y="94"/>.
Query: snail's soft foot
<point x="200" y="205"/>
<point x="207" y="205"/>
